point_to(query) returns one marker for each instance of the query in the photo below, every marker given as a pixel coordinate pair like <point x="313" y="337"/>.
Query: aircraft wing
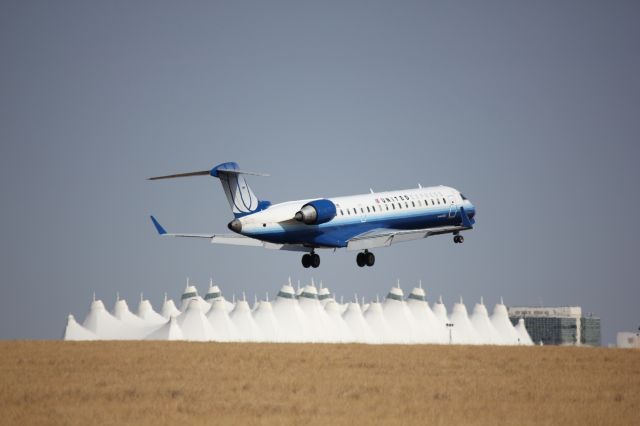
<point x="231" y="239"/>
<point x="384" y="237"/>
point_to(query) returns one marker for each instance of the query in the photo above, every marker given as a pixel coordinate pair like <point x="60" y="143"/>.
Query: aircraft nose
<point x="235" y="225"/>
<point x="471" y="209"/>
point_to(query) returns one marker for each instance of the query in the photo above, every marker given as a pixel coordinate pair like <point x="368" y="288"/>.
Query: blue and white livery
<point x="356" y="222"/>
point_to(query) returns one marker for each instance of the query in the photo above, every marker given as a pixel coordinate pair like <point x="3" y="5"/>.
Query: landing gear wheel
<point x="306" y="260"/>
<point x="458" y="239"/>
<point x="369" y="258"/>
<point x="360" y="260"/>
<point x="315" y="260"/>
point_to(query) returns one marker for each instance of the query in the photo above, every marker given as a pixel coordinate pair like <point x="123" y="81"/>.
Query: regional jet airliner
<point x="355" y="222"/>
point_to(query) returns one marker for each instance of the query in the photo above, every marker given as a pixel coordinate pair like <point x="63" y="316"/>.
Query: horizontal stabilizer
<point x="242" y="172"/>
<point x="178" y="175"/>
<point x="159" y="227"/>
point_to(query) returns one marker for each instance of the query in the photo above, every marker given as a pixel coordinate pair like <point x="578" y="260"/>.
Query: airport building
<point x="628" y="339"/>
<point x="558" y="326"/>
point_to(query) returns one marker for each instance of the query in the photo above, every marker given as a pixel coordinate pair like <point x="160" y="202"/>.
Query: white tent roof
<point x="223" y="329"/>
<point x="246" y="328"/>
<point x="191" y="293"/>
<point x="74" y="331"/>
<point x="463" y="331"/>
<point x="502" y="324"/>
<point x="194" y="324"/>
<point x="428" y="328"/>
<point x="525" y="339"/>
<point x="291" y="320"/>
<point x="440" y="311"/>
<point x="483" y="326"/>
<point x="148" y="315"/>
<point x="357" y="325"/>
<point x="316" y="318"/>
<point x="169" y="331"/>
<point x="341" y="332"/>
<point x="266" y="321"/>
<point x="375" y="318"/>
<point x="399" y="317"/>
<point x="169" y="308"/>
<point x="105" y="325"/>
<point x="305" y="319"/>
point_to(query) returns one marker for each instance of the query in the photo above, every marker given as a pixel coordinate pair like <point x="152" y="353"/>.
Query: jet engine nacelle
<point x="316" y="212"/>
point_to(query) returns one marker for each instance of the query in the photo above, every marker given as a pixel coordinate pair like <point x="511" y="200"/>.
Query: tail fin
<point x="241" y="198"/>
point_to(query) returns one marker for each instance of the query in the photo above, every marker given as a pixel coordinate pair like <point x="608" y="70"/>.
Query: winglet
<point x="466" y="222"/>
<point x="159" y="227"/>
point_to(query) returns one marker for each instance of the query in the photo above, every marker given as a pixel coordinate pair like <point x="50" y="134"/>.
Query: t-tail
<point x="241" y="198"/>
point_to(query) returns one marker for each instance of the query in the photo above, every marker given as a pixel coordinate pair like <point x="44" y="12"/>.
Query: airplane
<point x="357" y="222"/>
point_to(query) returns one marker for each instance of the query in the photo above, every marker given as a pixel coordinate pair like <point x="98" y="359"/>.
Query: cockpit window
<point x="463" y="197"/>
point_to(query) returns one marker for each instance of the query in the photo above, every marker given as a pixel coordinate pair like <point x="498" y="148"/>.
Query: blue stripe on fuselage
<point x="338" y="231"/>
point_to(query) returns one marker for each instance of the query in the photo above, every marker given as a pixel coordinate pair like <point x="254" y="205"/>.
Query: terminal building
<point x="558" y="326"/>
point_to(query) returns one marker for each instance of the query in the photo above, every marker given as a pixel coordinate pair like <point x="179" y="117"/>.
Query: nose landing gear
<point x="365" y="258"/>
<point x="458" y="239"/>
<point x="311" y="260"/>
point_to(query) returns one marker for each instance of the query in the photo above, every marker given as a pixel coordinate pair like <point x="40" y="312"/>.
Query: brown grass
<point x="51" y="382"/>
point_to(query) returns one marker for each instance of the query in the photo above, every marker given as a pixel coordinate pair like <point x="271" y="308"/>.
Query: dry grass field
<point x="54" y="382"/>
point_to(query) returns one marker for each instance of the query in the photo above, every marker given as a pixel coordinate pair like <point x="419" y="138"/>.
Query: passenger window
<point x="413" y="203"/>
<point x="444" y="201"/>
<point x="355" y="211"/>
<point x="368" y="211"/>
<point x="393" y="205"/>
<point x="387" y="207"/>
<point x="373" y="208"/>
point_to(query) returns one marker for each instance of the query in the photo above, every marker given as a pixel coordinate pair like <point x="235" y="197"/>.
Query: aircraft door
<point x="453" y="206"/>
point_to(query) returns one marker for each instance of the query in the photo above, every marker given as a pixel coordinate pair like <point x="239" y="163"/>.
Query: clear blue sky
<point x="532" y="109"/>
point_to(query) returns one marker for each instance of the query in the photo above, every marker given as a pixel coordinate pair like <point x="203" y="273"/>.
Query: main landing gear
<point x="458" y="239"/>
<point x="365" y="258"/>
<point x="311" y="259"/>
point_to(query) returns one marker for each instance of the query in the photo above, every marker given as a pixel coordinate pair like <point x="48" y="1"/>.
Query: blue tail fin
<point x="241" y="198"/>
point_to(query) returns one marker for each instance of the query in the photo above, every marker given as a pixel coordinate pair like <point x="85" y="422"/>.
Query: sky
<point x="531" y="109"/>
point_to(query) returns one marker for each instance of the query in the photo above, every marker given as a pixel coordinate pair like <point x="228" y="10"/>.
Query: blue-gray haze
<point x="532" y="109"/>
